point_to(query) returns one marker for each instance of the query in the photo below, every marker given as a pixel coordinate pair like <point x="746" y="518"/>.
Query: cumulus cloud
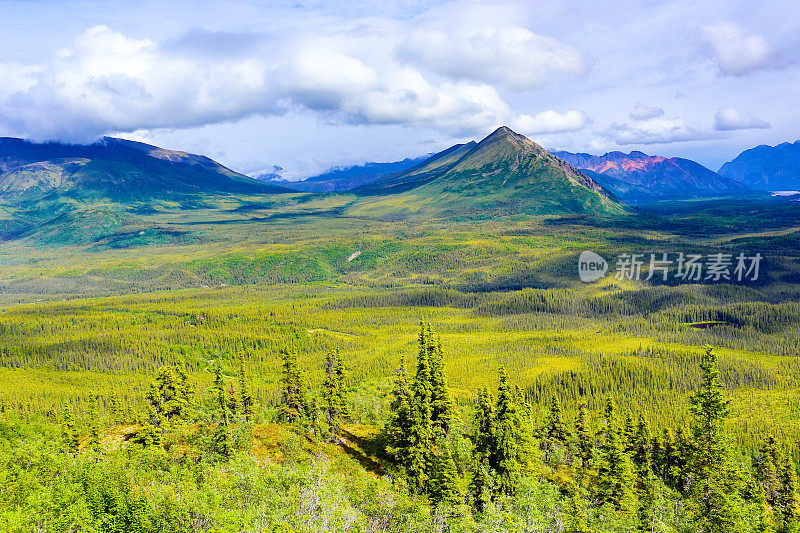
<point x="511" y="56"/>
<point x="728" y="118"/>
<point x="643" y="112"/>
<point x="109" y="82"/>
<point x="551" y="122"/>
<point x="661" y="130"/>
<point x="738" y="53"/>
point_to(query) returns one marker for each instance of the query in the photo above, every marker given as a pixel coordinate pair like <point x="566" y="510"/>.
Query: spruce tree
<point x="576" y="520"/>
<point x="616" y="477"/>
<point x="333" y="395"/>
<point x="585" y="440"/>
<point x="222" y="434"/>
<point x="767" y="467"/>
<point x="711" y="491"/>
<point x="443" y="485"/>
<point x="169" y="396"/>
<point x="245" y="396"/>
<point x="508" y="437"/>
<point x="295" y="404"/>
<point x="788" y="503"/>
<point x="69" y="433"/>
<point x="442" y="410"/>
<point x="421" y="423"/>
<point x="555" y="434"/>
<point x="398" y="431"/>
<point x="94" y="424"/>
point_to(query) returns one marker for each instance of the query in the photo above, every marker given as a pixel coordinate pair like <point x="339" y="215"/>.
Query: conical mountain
<point x="505" y="173"/>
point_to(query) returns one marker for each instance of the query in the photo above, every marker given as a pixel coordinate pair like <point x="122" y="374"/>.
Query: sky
<point x="307" y="86"/>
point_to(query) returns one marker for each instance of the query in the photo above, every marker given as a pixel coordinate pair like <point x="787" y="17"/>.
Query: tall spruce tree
<point x="555" y="436"/>
<point x="421" y="432"/>
<point x="711" y="489"/>
<point x="245" y="396"/>
<point x="398" y="431"/>
<point x="222" y="432"/>
<point x="334" y="395"/>
<point x="788" y="503"/>
<point x="169" y="397"/>
<point x="508" y="437"/>
<point x="585" y="438"/>
<point x="767" y="465"/>
<point x="443" y="485"/>
<point x="69" y="433"/>
<point x="576" y="519"/>
<point x="442" y="410"/>
<point x="616" y="477"/>
<point x="295" y="405"/>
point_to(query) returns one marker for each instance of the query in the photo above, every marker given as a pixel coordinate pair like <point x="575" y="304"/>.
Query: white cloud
<point x="109" y="82"/>
<point x="643" y="112"/>
<point x="661" y="130"/>
<point x="551" y="122"/>
<point x="737" y="52"/>
<point x="513" y="57"/>
<point x="728" y="118"/>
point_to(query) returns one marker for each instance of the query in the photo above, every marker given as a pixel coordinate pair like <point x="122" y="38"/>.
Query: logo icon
<point x="591" y="266"/>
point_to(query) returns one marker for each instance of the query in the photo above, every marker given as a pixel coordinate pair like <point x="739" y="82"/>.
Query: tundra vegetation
<point x="224" y="367"/>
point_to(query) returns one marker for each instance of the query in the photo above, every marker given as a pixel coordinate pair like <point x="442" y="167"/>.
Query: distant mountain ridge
<point x="505" y="173"/>
<point x="344" y="178"/>
<point x="638" y="178"/>
<point x="114" y="168"/>
<point x="766" y="167"/>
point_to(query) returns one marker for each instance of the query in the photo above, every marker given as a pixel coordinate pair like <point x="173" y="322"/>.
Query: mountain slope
<point x="771" y="168"/>
<point x="113" y="168"/>
<point x="638" y="178"/>
<point x="344" y="179"/>
<point x="505" y="173"/>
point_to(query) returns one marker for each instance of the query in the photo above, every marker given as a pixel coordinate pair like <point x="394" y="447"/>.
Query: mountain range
<point x="640" y="178"/>
<point x="768" y="168"/>
<point x="503" y="173"/>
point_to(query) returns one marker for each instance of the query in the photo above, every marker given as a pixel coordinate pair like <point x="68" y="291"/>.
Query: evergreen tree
<point x="94" y="424"/>
<point x="508" y="438"/>
<point x="711" y="490"/>
<point x="398" y="431"/>
<point x="766" y="471"/>
<point x="334" y="395"/>
<point x="295" y="404"/>
<point x="421" y="423"/>
<point x="69" y="433"/>
<point x="576" y="520"/>
<point x="245" y="396"/>
<point x="788" y="504"/>
<point x="481" y="486"/>
<point x="222" y="433"/>
<point x="443" y="486"/>
<point x="442" y="409"/>
<point x="169" y="396"/>
<point x="585" y="440"/>
<point x="642" y="447"/>
<point x="483" y="435"/>
<point x="616" y="477"/>
<point x="555" y="435"/>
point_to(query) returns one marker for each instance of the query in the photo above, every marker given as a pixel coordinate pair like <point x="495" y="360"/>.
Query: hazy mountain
<point x="504" y="173"/>
<point x="639" y="178"/>
<point x="113" y="168"/>
<point x="343" y="179"/>
<point x="771" y="168"/>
